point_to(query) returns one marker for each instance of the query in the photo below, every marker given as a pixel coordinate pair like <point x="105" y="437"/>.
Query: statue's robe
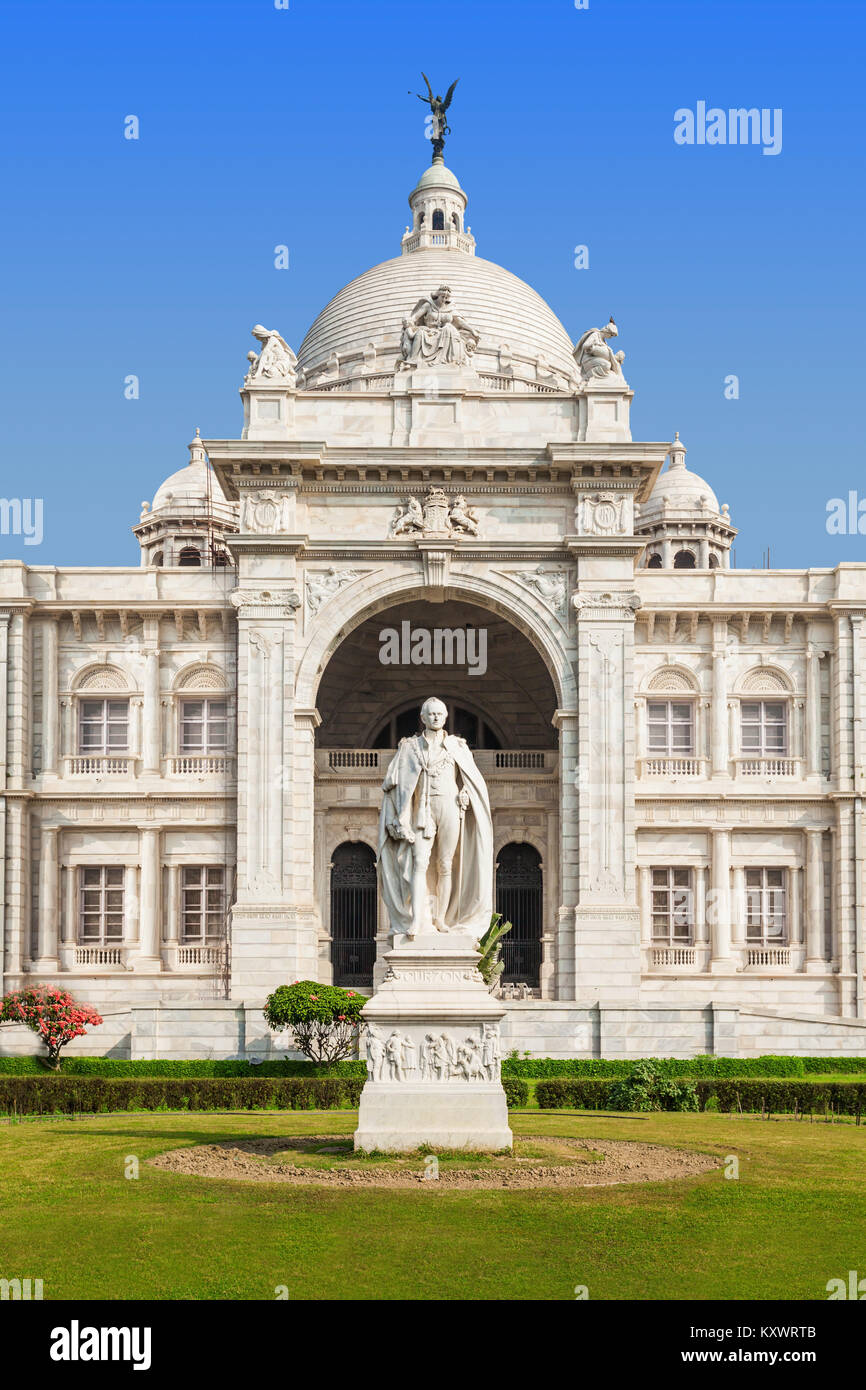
<point x="405" y="800"/>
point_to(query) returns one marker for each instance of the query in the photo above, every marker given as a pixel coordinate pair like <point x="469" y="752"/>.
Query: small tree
<point x="324" y="1019"/>
<point x="53" y="1014"/>
<point x="490" y="946"/>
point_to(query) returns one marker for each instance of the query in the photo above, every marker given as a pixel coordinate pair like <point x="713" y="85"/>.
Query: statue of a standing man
<point x="435" y="834"/>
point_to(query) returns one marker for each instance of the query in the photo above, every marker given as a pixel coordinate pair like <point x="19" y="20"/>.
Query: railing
<point x="672" y="767"/>
<point x="377" y="382"/>
<point x="200" y="765"/>
<point x="353" y="757"/>
<point x="768" y="955"/>
<point x="354" y="761"/>
<point x="672" y="955"/>
<point x="98" y="955"/>
<point x="98" y="766"/>
<point x="767" y="767"/>
<point x="200" y="955"/>
<point x="424" y="237"/>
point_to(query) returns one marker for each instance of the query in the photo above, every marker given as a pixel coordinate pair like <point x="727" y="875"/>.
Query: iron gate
<point x="353" y="915"/>
<point x="519" y="899"/>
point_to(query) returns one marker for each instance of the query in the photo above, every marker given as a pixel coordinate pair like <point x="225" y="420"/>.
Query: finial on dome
<point x="196" y="448"/>
<point x="439" y="127"/>
<point x="677" y="452"/>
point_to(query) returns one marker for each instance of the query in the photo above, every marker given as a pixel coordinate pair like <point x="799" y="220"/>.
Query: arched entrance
<point x="519" y="897"/>
<point x="373" y="681"/>
<point x="353" y="915"/>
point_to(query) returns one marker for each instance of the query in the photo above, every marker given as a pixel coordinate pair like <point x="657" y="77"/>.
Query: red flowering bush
<point x="324" y="1019"/>
<point x="52" y="1013"/>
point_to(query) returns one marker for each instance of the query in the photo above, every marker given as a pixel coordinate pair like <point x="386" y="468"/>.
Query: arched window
<point x="353" y="915"/>
<point x="519" y="899"/>
<point x="220" y="559"/>
<point x="654" y="562"/>
<point x="189" y="555"/>
<point x="714" y="562"/>
<point x="455" y="221"/>
<point x="684" y="560"/>
<point x="157" y="559"/>
<point x="438" y="223"/>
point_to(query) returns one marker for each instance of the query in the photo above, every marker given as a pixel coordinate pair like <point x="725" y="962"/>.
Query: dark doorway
<point x="519" y="899"/>
<point x="353" y="915"/>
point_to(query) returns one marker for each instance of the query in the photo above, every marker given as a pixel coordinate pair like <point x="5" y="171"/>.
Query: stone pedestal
<point x="433" y="1053"/>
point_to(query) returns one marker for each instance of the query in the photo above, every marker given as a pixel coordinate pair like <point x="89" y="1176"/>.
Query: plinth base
<point x="433" y="1053"/>
<point x="445" y="1115"/>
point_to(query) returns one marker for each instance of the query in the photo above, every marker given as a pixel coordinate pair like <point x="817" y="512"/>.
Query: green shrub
<point x="514" y="1065"/>
<point x="324" y="1019"/>
<point x="649" y="1088"/>
<point x="516" y="1092"/>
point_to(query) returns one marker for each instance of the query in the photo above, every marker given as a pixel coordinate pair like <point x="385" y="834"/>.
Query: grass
<point x="794" y="1219"/>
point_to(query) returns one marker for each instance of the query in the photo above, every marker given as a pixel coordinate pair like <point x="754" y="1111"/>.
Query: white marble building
<point x="673" y="748"/>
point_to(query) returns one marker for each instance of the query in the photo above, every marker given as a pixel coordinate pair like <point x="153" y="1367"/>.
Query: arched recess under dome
<point x="495" y="683"/>
<point x="376" y="595"/>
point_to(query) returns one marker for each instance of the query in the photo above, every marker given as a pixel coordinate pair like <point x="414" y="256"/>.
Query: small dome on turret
<point x="684" y="526"/>
<point x="189" y="518"/>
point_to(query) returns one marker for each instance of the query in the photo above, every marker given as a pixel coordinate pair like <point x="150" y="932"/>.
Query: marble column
<point x="815" y="901"/>
<point x="150" y="735"/>
<point x="49" y="899"/>
<point x="720" y="906"/>
<point x="50" y="696"/>
<point x="738" y="908"/>
<point x="148" y="959"/>
<point x="813" y="711"/>
<point x="645" y="904"/>
<point x="719" y="710"/>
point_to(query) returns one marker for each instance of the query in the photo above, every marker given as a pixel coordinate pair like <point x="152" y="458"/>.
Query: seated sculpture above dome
<point x="594" y="357"/>
<point x="433" y="335"/>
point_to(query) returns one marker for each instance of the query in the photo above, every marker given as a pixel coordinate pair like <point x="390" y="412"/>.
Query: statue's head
<point x="443" y="294"/>
<point x="434" y="714"/>
<point x="610" y="330"/>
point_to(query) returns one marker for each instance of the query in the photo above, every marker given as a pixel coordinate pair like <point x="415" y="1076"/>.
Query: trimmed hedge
<point x="672" y="1067"/>
<point x="749" y="1094"/>
<point x="181" y="1067"/>
<point x="75" y="1095"/>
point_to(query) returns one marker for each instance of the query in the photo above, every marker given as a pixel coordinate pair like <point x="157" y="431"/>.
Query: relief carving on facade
<point x="265" y="513"/>
<point x="601" y="514"/>
<point x="437" y="516"/>
<point x="551" y="586"/>
<point x="440" y="1057"/>
<point x="322" y="585"/>
<point x="607" y="605"/>
<point x="275" y="603"/>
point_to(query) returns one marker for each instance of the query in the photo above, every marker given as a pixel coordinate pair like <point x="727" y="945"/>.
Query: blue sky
<point x="261" y="126"/>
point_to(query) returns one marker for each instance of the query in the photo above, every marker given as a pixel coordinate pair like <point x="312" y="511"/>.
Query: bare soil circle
<point x="536" y="1161"/>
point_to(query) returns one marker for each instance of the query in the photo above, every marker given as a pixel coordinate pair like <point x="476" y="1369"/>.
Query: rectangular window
<point x="103" y="726"/>
<point x="100" y="905"/>
<point x="673" y="911"/>
<point x="671" y="727"/>
<point x="203" y="726"/>
<point x="764" y="725"/>
<point x="203" y="902"/>
<point x="766" y="907"/>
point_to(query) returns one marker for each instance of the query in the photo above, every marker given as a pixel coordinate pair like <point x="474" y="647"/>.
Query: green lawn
<point x="795" y="1218"/>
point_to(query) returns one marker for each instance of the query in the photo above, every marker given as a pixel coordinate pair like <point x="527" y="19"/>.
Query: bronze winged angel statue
<point x="438" y="107"/>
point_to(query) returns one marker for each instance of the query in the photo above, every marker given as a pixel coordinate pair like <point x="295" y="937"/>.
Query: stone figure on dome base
<point x="433" y="335"/>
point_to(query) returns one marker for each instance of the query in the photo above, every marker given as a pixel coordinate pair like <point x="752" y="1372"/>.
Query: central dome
<point x="362" y="324"/>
